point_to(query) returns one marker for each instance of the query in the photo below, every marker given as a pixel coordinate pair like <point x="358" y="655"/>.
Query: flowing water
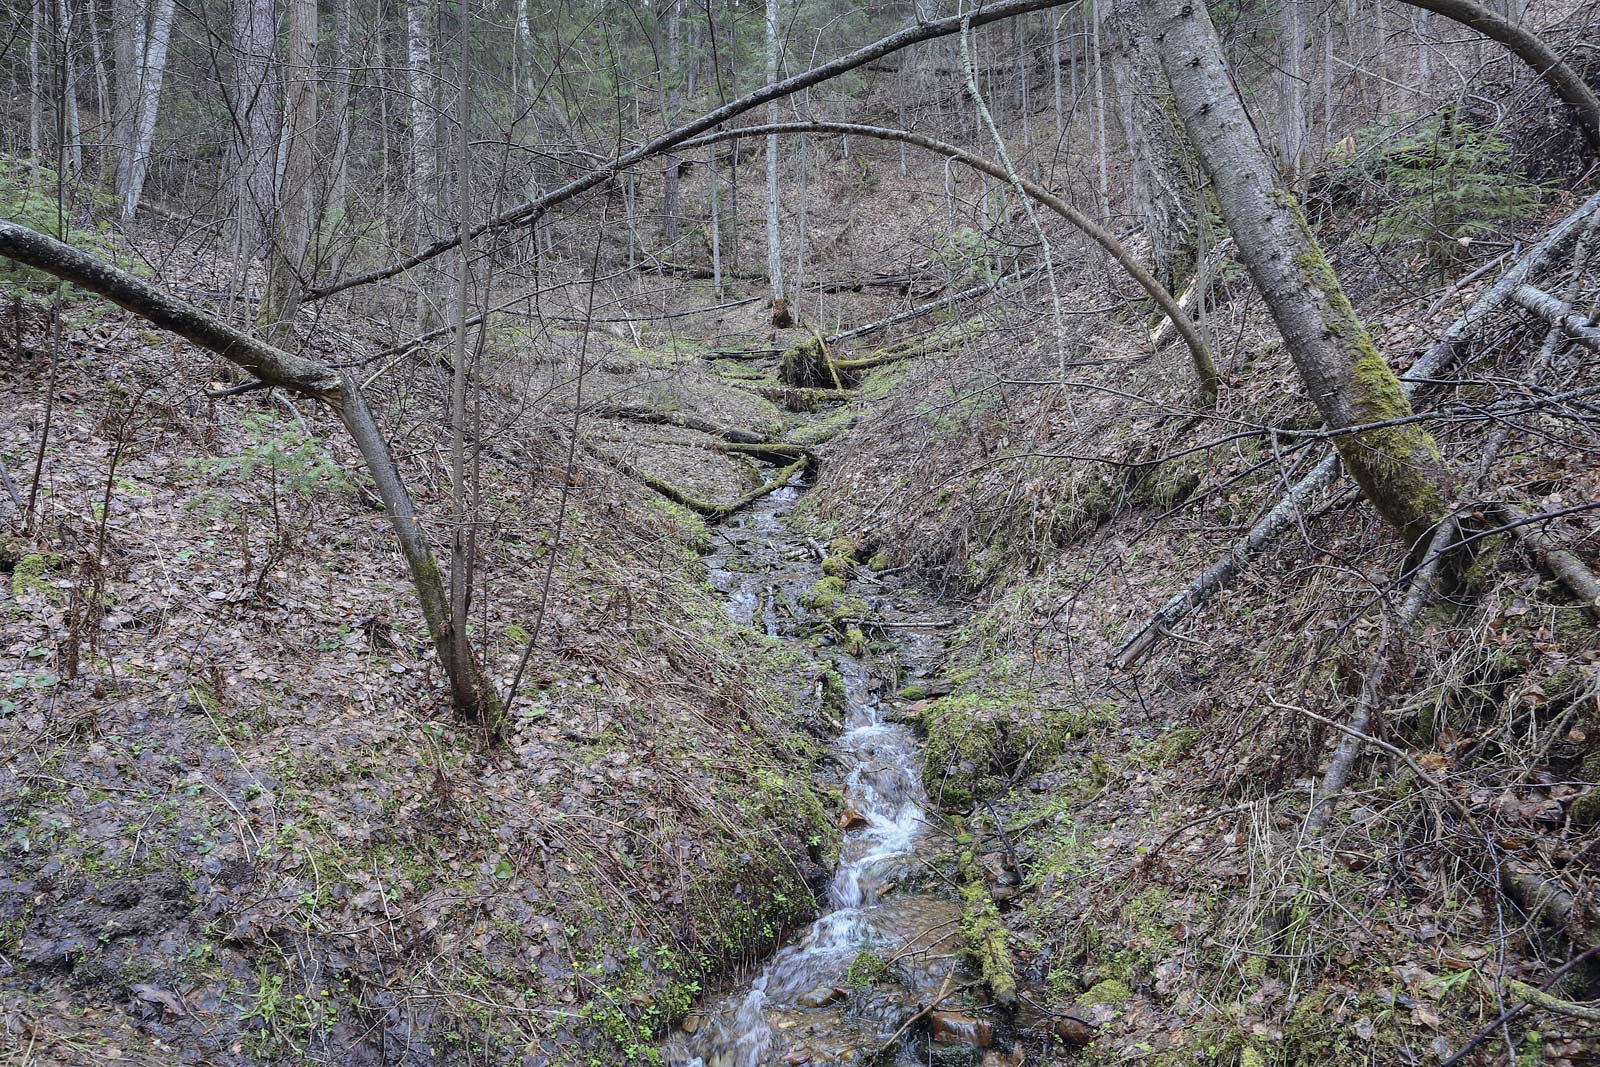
<point x="797" y="1007"/>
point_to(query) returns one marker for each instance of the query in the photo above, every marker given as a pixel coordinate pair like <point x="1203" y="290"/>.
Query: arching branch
<point x="1204" y="367"/>
<point x="1532" y="50"/>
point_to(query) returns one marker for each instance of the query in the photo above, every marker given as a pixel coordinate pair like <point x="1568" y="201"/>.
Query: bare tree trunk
<point x="424" y="143"/>
<point x="1398" y="467"/>
<point x="1292" y="93"/>
<point x="780" y="310"/>
<point x="102" y="92"/>
<point x="35" y="87"/>
<point x="307" y="377"/>
<point x="254" y="105"/>
<point x="669" y="183"/>
<point x="66" y="19"/>
<point x="297" y="191"/>
<point x="1166" y="174"/>
<point x="333" y="211"/>
<point x="1104" y="187"/>
<point x="1055" y="74"/>
<point x="462" y="542"/>
<point x="716" y="224"/>
<point x="142" y="62"/>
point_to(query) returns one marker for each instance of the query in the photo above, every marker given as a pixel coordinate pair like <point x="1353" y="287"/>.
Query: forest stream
<point x="842" y="989"/>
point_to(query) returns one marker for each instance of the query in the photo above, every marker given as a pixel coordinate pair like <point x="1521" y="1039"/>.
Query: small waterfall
<point x="885" y="808"/>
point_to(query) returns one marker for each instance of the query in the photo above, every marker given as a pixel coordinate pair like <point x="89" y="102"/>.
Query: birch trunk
<point x="297" y="192"/>
<point x="780" y="310"/>
<point x="142" y="62"/>
<point x="1397" y="467"/>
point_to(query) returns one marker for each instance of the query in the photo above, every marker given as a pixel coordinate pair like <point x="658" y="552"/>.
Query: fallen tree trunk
<point x="924" y="309"/>
<point x="1286" y="512"/>
<point x="707" y="509"/>
<point x="1571" y="571"/>
<point x="307" y="377"/>
<point x="1558" y="313"/>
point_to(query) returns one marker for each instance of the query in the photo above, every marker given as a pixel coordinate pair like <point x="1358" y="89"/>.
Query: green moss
<point x="914" y="692"/>
<point x="1390" y="463"/>
<point x="866" y="970"/>
<point x="977" y="742"/>
<point x="855" y="642"/>
<point x="1092" y="496"/>
<point x="879" y="562"/>
<point x="1322" y="1030"/>
<point x="1172" y="746"/>
<point x="1111" y="993"/>
<point x="982" y="931"/>
<point x="31" y="573"/>
<point x="1167" y="485"/>
<point x="829" y="599"/>
<point x="838" y="566"/>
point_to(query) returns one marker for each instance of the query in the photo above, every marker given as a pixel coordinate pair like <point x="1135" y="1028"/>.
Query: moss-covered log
<point x="983" y="934"/>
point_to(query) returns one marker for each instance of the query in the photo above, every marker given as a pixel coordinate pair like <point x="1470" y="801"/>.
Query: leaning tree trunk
<point x="273" y="366"/>
<point x="1398" y="467"/>
<point x="1166" y="174"/>
<point x="296" y="192"/>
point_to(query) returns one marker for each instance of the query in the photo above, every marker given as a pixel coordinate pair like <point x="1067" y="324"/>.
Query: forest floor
<point x="241" y="826"/>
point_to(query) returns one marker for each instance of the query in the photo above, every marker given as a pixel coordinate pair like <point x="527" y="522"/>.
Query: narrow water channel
<point x="806" y="1004"/>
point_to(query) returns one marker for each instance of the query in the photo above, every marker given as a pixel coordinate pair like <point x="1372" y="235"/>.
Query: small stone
<point x="795" y="1056"/>
<point x="820" y="997"/>
<point x="1073" y="1031"/>
<point x="691" y="1023"/>
<point x="851" y="819"/>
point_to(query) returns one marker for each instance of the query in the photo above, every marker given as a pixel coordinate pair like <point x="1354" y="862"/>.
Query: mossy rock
<point x="879" y="562"/>
<point x="1167" y="485"/>
<point x="830" y="599"/>
<point x="977" y="743"/>
<point x="1111" y="993"/>
<point x="1092" y="497"/>
<point x="838" y="567"/>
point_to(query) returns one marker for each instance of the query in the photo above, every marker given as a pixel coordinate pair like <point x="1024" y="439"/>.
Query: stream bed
<point x="841" y="991"/>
